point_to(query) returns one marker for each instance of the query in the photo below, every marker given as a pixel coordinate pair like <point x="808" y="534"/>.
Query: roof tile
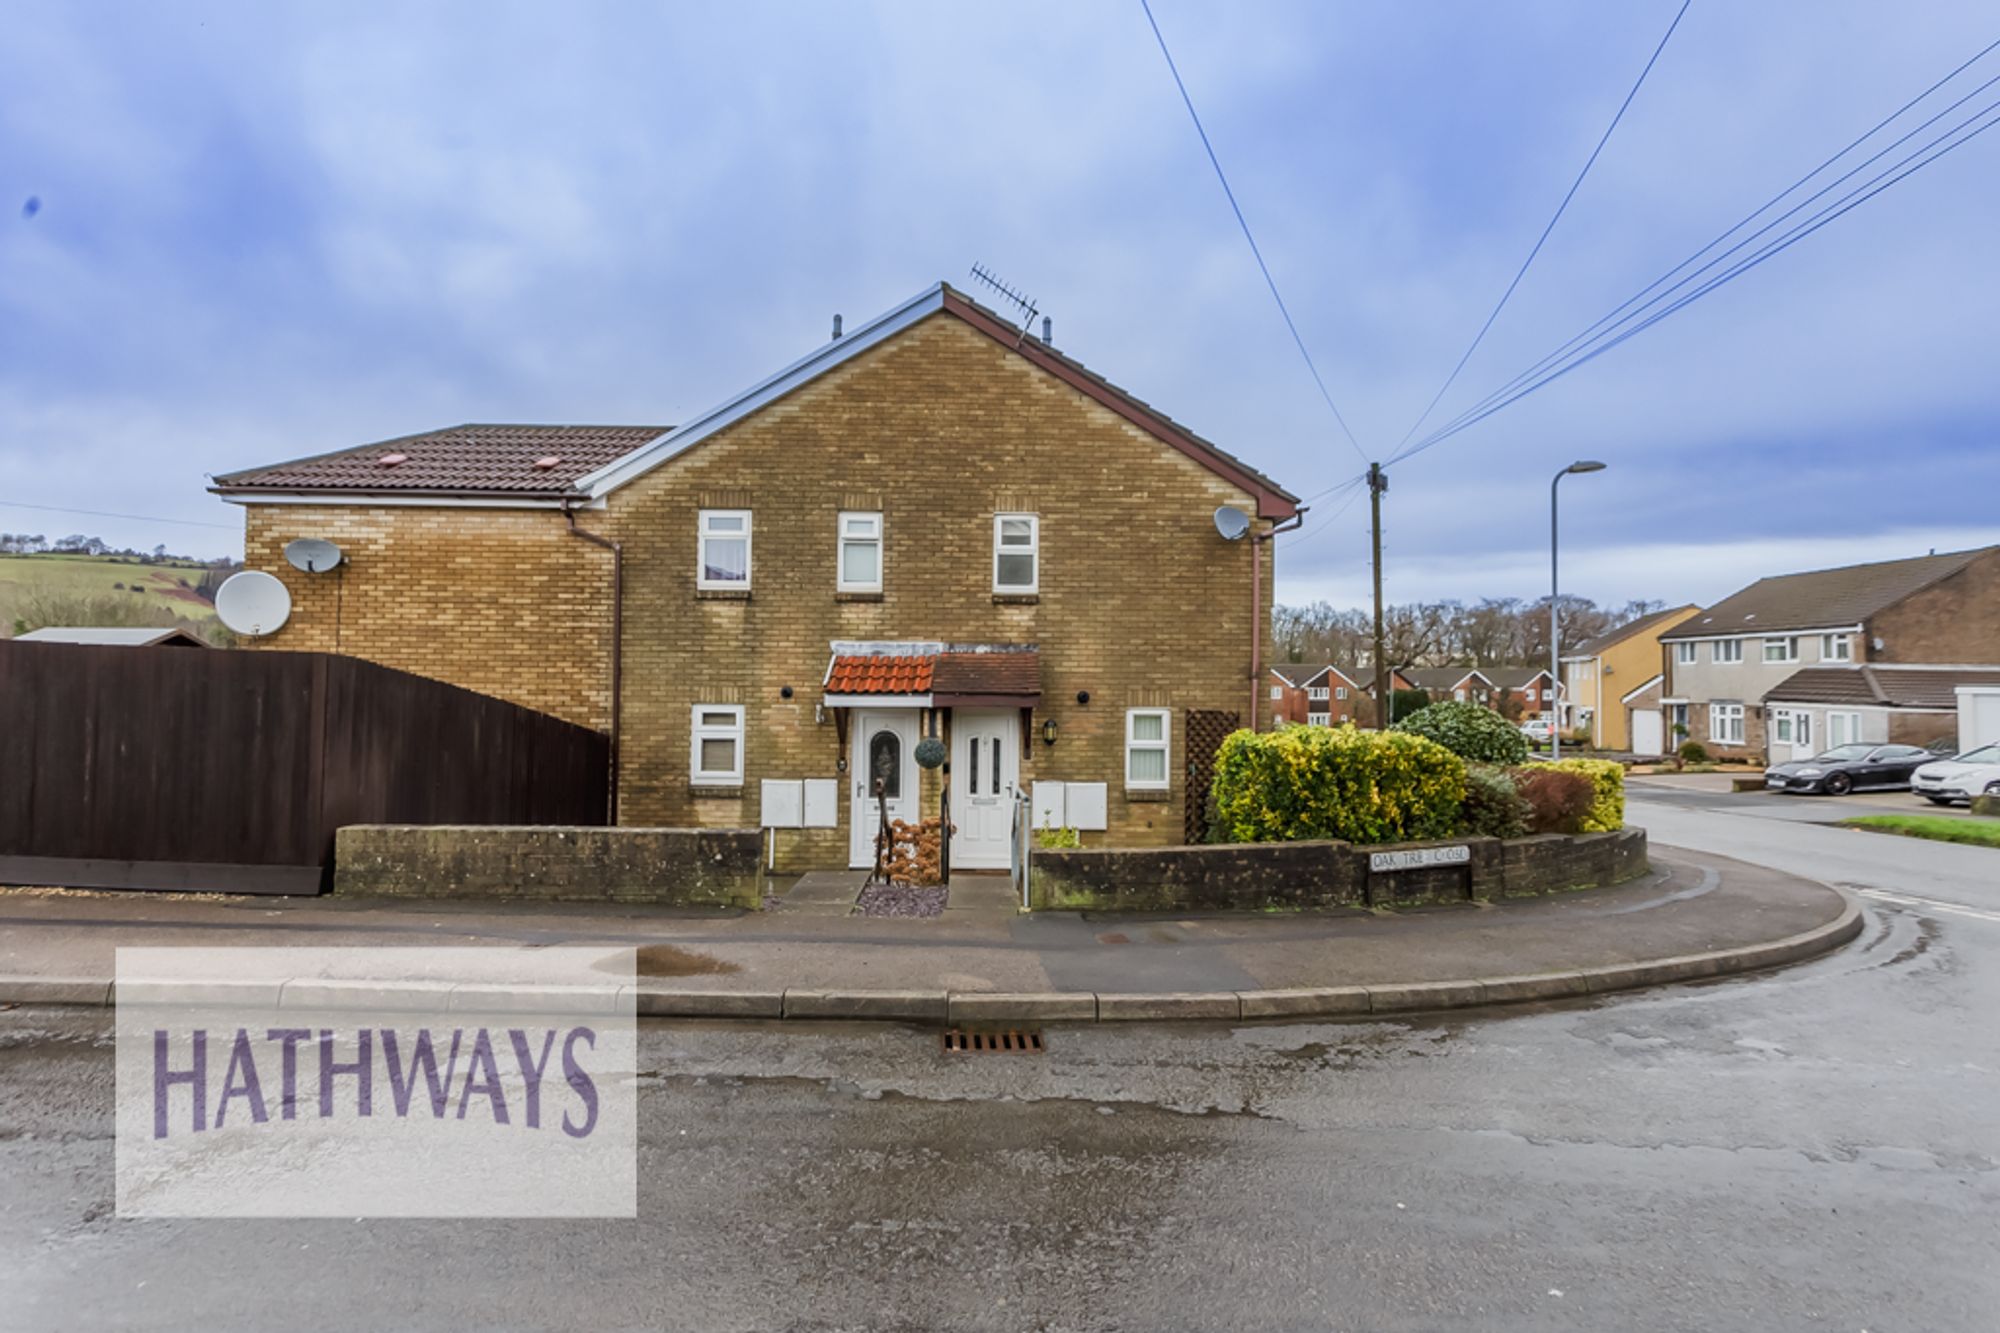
<point x="523" y="460"/>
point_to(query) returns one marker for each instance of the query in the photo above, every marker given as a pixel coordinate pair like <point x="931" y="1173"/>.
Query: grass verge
<point x="1977" y="832"/>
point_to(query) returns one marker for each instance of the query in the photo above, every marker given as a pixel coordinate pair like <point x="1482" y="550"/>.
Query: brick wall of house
<point x="502" y="601"/>
<point x="1141" y="604"/>
<point x="1955" y="620"/>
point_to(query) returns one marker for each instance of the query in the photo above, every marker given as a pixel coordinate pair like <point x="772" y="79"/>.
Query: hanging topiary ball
<point x="930" y="752"/>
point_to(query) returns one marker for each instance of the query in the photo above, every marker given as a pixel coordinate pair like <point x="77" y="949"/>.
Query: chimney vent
<point x="836" y="326"/>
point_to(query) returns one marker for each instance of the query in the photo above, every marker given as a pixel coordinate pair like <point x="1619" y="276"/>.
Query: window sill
<point x="1016" y="598"/>
<point x="717" y="791"/>
<point x="722" y="594"/>
<point x="1148" y="794"/>
<point x="858" y="596"/>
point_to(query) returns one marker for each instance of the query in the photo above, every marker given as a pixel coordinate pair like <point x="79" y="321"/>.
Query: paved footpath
<point x="1693" y="917"/>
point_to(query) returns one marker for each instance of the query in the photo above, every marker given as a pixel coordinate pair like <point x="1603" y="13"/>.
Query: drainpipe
<point x="617" y="646"/>
<point x="1257" y="539"/>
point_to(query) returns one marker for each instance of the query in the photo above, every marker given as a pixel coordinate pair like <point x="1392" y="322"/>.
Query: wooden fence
<point x="230" y="771"/>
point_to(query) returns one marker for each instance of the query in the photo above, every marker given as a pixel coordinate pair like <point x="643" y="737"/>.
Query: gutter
<point x="617" y="648"/>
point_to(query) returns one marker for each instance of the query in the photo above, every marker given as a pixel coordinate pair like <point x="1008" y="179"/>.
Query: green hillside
<point x="38" y="590"/>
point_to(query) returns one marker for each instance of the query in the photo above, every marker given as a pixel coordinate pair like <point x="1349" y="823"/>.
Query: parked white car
<point x="1538" y="730"/>
<point x="1974" y="773"/>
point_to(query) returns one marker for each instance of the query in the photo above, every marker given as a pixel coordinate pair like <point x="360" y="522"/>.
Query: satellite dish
<point x="1231" y="523"/>
<point x="312" y="555"/>
<point x="253" y="602"/>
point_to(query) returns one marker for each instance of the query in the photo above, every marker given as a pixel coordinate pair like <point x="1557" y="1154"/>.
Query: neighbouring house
<point x="935" y="525"/>
<point x="1316" y="695"/>
<point x="1722" y="664"/>
<point x="1612" y="685"/>
<point x="1492" y="687"/>
<point x="1817" y="708"/>
<point x="117" y="636"/>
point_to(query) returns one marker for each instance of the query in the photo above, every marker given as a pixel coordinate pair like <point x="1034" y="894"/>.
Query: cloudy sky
<point x="265" y="231"/>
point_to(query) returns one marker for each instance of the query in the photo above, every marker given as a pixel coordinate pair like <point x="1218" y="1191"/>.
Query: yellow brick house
<point x="936" y="525"/>
<point x="1612" y="685"/>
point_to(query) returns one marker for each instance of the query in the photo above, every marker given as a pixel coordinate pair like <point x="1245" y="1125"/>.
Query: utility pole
<point x="1378" y="482"/>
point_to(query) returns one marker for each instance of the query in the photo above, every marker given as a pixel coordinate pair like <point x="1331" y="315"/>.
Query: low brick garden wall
<point x="1251" y="877"/>
<point x="668" y="867"/>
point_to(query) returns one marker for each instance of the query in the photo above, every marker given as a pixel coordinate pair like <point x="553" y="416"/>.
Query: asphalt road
<point x="1813" y="1149"/>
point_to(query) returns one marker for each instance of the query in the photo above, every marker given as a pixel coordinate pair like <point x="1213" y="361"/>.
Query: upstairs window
<point x="1728" y="650"/>
<point x="1017" y="553"/>
<point x="1146" y="740"/>
<point x="1836" y="648"/>
<point x="1684" y="654"/>
<point x="715" y="752"/>
<point x="1781" y="650"/>
<point x="860" y="553"/>
<point x="724" y="559"/>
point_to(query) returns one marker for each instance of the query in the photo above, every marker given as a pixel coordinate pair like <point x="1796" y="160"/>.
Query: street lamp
<point x="1555" y="648"/>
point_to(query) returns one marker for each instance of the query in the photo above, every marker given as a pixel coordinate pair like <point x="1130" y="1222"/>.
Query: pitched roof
<point x="112" y="636"/>
<point x="1512" y="678"/>
<point x="1881" y="686"/>
<point x="950" y="673"/>
<point x="1441" y="678"/>
<point x="595" y="460"/>
<point x="459" y="460"/>
<point x="1300" y="675"/>
<point x="1592" y="647"/>
<point x="1822" y="598"/>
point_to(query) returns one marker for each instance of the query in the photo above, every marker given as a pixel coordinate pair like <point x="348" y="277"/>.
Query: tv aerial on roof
<point x="312" y="555"/>
<point x="253" y="602"/>
<point x="1025" y="304"/>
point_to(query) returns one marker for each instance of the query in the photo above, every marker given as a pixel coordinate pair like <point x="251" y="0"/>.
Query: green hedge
<point x="1470" y="731"/>
<point x="1607" y="811"/>
<point x="1336" y="782"/>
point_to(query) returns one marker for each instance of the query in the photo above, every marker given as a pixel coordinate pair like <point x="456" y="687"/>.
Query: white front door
<point x="1791" y="735"/>
<point x="881" y="744"/>
<point x="985" y="768"/>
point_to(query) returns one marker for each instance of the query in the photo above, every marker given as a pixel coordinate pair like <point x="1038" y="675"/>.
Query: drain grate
<point x="959" y="1042"/>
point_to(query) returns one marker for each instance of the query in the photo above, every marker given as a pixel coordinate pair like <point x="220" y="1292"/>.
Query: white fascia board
<point x="367" y="501"/>
<point x="683" y="437"/>
<point x="1760" y="634"/>
<point x="876" y="701"/>
<point x="1627" y="698"/>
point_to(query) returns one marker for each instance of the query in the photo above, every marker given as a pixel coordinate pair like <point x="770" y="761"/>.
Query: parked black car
<point x="1847" y="768"/>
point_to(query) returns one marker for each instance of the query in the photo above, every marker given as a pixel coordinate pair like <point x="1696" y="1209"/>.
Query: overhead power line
<point x="135" y="518"/>
<point x="1966" y="130"/>
<point x="1522" y="272"/>
<point x="1244" y="223"/>
<point x="1605" y="333"/>
<point x="1741" y="223"/>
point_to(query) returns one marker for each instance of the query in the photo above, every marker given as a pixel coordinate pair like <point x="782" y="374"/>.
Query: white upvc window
<point x="1684" y="654"/>
<point x="860" y="567"/>
<point x="1728" y="650"/>
<point x="1781" y="726"/>
<point x="715" y="747"/>
<point x="1842" y="729"/>
<point x="1277" y="692"/>
<point x="1340" y="691"/>
<point x="1317" y="693"/>
<point x="1147" y="736"/>
<point x="1725" y="724"/>
<point x="1781" y="650"/>
<point x="723" y="560"/>
<point x="1017" y="553"/>
<point x="1319" y="719"/>
<point x="1836" y="647"/>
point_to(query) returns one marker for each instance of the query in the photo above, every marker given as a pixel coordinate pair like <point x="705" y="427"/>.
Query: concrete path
<point x="1695" y="916"/>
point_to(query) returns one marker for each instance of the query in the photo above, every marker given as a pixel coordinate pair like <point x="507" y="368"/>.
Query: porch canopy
<point x="933" y="675"/>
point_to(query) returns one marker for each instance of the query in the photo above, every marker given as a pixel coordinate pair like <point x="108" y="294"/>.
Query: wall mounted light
<point x="785" y="692"/>
<point x="1083" y="696"/>
<point x="1049" y="732"/>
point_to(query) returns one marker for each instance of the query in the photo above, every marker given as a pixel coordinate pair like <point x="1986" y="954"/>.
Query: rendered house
<point x="935" y="524"/>
<point x="1315" y="695"/>
<point x="1612" y="685"/>
<point x="1817" y="708"/>
<point x="1724" y="663"/>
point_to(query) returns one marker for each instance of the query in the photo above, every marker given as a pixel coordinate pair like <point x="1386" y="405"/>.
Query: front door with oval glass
<point x="881" y="745"/>
<point x="985" y="769"/>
